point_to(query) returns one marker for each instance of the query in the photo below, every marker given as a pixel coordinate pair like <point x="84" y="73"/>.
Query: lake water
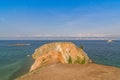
<point x="14" y="60"/>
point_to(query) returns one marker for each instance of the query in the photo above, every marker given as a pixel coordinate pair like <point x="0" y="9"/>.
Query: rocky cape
<point x="66" y="61"/>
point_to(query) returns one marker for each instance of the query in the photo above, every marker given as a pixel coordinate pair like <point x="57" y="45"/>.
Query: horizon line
<point x="60" y="38"/>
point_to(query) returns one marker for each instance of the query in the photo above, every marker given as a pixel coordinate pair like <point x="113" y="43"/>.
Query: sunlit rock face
<point x="59" y="52"/>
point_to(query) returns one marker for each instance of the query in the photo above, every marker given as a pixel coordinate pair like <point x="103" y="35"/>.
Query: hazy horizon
<point x="60" y="38"/>
<point x="33" y="19"/>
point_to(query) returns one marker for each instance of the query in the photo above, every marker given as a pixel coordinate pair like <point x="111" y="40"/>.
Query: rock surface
<point x="74" y="72"/>
<point x="58" y="52"/>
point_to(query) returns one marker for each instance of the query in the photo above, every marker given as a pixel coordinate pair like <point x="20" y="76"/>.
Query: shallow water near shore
<point x="15" y="60"/>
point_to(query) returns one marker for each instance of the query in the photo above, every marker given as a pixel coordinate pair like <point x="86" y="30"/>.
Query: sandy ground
<point x="74" y="72"/>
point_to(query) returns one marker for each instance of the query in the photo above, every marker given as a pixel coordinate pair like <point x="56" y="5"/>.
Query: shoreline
<point x="24" y="69"/>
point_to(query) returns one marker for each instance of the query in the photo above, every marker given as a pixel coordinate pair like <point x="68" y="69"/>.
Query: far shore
<point x="19" y="45"/>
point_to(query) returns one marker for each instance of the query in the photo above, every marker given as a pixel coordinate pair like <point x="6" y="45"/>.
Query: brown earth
<point x="74" y="72"/>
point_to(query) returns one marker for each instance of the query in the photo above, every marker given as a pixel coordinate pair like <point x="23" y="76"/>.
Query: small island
<point x="19" y="45"/>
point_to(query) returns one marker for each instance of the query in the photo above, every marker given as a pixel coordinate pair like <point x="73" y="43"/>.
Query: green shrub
<point x="77" y="60"/>
<point x="81" y="47"/>
<point x="83" y="61"/>
<point x="70" y="60"/>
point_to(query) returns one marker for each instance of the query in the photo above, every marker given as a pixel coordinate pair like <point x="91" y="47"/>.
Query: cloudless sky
<point x="81" y="18"/>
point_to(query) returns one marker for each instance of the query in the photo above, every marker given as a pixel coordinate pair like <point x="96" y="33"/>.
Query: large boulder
<point x="58" y="52"/>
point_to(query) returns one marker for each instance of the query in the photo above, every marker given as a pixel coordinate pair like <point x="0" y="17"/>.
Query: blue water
<point x="14" y="60"/>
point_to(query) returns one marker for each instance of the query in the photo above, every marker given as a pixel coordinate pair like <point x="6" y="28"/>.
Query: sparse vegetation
<point x="78" y="61"/>
<point x="81" y="47"/>
<point x="83" y="61"/>
<point x="70" y="60"/>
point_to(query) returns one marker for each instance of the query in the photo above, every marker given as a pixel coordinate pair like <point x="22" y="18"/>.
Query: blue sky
<point x="77" y="18"/>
